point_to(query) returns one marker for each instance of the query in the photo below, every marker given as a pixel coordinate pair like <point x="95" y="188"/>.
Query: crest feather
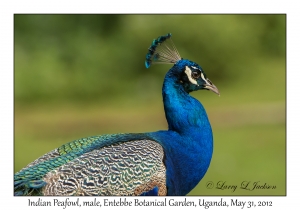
<point x="162" y="50"/>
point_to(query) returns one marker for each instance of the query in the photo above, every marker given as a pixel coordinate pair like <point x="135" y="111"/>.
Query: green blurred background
<point x="84" y="75"/>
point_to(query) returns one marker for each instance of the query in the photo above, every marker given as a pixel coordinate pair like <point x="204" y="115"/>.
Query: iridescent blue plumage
<point x="166" y="162"/>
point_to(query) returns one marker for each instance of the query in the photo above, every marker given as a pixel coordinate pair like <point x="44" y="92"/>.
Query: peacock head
<point x="188" y="73"/>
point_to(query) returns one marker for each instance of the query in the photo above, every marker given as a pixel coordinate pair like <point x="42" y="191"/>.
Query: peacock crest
<point x="162" y="50"/>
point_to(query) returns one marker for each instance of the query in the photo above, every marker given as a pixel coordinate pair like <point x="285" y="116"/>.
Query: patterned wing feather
<point x="48" y="156"/>
<point x="130" y="168"/>
<point x="29" y="181"/>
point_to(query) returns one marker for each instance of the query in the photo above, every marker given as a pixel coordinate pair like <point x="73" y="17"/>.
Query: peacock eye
<point x="196" y="74"/>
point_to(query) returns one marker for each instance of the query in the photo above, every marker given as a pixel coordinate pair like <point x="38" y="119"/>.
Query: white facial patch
<point x="188" y="73"/>
<point x="202" y="76"/>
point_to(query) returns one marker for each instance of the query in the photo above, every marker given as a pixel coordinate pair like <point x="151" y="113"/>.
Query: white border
<point x="8" y="8"/>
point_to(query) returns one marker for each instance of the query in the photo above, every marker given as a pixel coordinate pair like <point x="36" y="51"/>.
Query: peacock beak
<point x="210" y="86"/>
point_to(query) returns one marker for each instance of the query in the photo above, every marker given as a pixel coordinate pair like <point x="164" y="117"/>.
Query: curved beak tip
<point x="212" y="87"/>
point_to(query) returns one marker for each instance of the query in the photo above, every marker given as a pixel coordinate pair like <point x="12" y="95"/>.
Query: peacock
<point x="166" y="162"/>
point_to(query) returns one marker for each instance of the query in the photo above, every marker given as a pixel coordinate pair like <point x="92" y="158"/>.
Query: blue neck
<point x="183" y="112"/>
<point x="188" y="142"/>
